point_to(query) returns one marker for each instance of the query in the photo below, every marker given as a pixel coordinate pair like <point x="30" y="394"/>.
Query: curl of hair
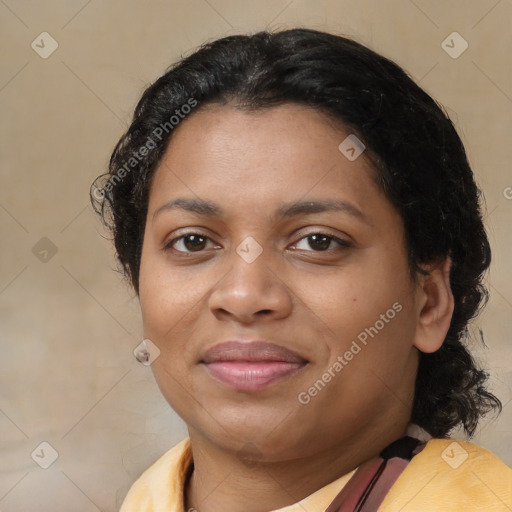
<point x="419" y="161"/>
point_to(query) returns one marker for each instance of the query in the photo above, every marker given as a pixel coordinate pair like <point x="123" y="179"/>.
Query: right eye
<point x="188" y="243"/>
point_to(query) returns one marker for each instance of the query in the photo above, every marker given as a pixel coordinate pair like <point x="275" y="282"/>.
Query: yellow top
<point x="446" y="476"/>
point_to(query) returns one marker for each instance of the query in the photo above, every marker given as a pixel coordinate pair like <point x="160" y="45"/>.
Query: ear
<point x="434" y="307"/>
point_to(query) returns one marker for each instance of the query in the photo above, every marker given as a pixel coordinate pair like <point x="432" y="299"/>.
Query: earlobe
<point x="435" y="308"/>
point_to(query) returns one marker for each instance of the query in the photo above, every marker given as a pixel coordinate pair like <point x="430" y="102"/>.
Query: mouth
<point x="251" y="366"/>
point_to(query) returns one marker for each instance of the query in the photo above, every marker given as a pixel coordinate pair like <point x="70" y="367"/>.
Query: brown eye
<point x="321" y="242"/>
<point x="190" y="242"/>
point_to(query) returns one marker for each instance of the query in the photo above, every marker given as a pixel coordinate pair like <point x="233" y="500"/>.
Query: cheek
<point x="366" y="313"/>
<point x="354" y="298"/>
<point x="168" y="318"/>
<point x="172" y="303"/>
<point x="154" y="301"/>
<point x="164" y="296"/>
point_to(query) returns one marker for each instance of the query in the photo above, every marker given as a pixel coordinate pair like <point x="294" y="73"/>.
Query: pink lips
<point x="250" y="366"/>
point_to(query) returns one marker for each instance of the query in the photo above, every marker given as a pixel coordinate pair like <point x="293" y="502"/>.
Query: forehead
<point x="249" y="158"/>
<point x="292" y="128"/>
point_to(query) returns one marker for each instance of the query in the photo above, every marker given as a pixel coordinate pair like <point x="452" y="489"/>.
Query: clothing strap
<point x="371" y="482"/>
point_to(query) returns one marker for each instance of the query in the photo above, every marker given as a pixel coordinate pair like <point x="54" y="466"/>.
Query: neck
<point x="222" y="480"/>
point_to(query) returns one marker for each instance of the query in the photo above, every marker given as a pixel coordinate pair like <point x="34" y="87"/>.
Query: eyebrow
<point x="288" y="210"/>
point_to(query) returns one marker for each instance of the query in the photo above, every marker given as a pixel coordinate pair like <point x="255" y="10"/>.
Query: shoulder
<point x="160" y="487"/>
<point x="452" y="475"/>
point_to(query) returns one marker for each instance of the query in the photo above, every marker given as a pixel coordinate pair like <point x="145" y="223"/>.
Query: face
<point x="277" y="237"/>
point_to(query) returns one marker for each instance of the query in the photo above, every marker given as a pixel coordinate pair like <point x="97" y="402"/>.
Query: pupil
<point x="196" y="242"/>
<point x="322" y="245"/>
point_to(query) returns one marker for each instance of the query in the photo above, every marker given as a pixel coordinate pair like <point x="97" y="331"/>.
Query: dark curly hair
<point x="418" y="158"/>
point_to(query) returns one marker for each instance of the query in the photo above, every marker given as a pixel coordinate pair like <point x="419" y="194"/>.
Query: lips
<point x="251" y="366"/>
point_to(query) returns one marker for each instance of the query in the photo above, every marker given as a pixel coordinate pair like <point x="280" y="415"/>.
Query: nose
<point x="251" y="292"/>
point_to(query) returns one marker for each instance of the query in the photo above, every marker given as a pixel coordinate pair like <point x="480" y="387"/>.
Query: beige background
<point x="68" y="325"/>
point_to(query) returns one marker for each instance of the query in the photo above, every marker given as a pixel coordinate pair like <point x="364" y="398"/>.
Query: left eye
<point x="320" y="242"/>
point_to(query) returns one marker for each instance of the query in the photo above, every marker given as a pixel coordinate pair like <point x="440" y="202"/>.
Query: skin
<point x="312" y="301"/>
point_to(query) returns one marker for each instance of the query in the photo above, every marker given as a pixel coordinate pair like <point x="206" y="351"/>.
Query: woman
<point x="303" y="230"/>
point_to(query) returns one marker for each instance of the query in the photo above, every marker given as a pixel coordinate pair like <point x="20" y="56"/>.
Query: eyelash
<point x="343" y="244"/>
